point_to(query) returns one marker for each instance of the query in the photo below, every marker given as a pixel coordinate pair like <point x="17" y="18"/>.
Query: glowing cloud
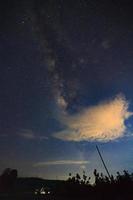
<point x="103" y="122"/>
<point x="61" y="162"/>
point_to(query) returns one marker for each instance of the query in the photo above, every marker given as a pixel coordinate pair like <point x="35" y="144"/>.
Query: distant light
<point x="42" y="192"/>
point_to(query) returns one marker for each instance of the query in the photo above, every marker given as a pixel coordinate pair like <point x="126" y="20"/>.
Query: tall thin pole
<point x="103" y="162"/>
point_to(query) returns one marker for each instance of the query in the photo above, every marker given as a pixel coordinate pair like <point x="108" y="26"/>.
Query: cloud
<point x="103" y="122"/>
<point x="61" y="162"/>
<point x="30" y="135"/>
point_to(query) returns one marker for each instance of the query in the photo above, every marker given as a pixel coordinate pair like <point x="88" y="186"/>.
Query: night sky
<point x="66" y="84"/>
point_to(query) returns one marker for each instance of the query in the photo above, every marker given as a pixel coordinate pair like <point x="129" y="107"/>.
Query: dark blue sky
<point x="65" y="86"/>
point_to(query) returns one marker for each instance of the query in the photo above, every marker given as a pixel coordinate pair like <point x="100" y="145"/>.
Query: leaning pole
<point x="103" y="162"/>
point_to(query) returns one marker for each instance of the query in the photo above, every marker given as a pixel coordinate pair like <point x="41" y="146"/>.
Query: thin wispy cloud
<point x="61" y="162"/>
<point x="30" y="135"/>
<point x="103" y="122"/>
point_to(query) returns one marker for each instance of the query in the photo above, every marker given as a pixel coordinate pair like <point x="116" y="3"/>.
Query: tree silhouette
<point x="8" y="180"/>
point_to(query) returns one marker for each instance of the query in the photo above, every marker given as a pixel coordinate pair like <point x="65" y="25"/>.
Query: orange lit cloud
<point x="103" y="122"/>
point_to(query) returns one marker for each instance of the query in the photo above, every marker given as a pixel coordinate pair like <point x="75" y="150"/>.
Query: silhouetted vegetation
<point x="76" y="186"/>
<point x="8" y="180"/>
<point x="104" y="187"/>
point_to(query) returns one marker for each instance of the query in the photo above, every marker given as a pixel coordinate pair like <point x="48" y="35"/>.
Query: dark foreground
<point x="119" y="187"/>
<point x="33" y="197"/>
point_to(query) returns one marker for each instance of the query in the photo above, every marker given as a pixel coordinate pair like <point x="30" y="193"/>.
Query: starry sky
<point x="66" y="85"/>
